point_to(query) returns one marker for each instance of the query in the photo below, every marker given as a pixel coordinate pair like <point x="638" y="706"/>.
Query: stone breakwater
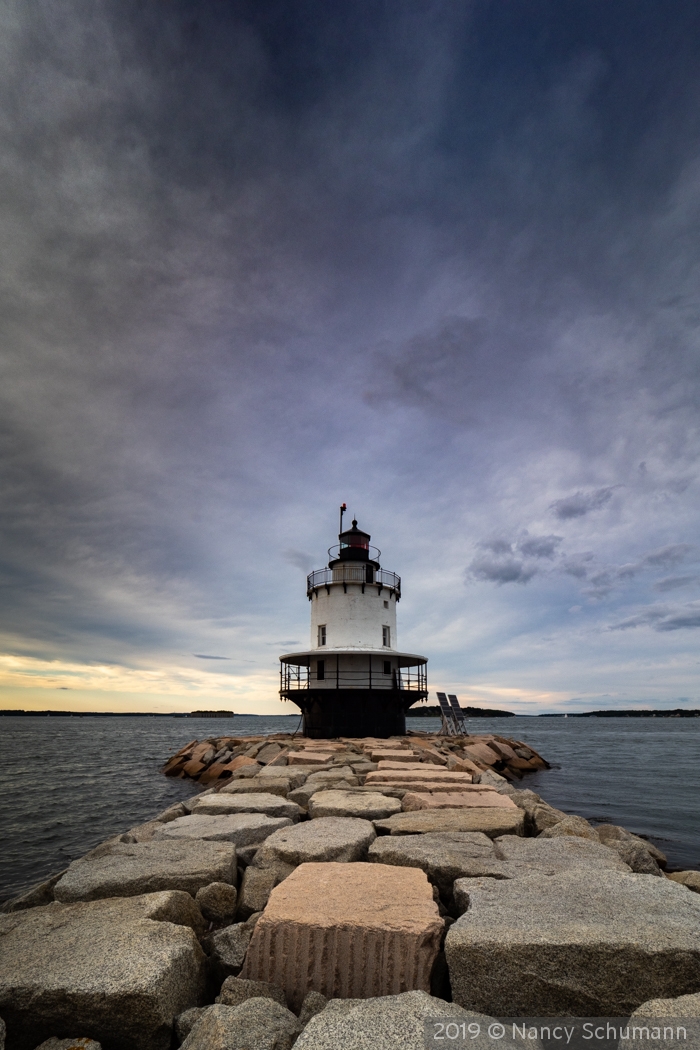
<point x="341" y="893"/>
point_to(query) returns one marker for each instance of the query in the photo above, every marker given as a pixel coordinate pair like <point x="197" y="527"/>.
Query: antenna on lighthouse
<point x="343" y="508"/>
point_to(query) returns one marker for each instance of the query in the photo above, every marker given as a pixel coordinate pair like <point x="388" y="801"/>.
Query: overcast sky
<point x="438" y="260"/>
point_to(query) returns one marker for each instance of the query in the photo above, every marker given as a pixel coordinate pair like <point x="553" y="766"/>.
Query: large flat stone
<point x="255" y="802"/>
<point x="243" y="829"/>
<point x="426" y="775"/>
<point x="324" y="839"/>
<point x="389" y="755"/>
<point x="389" y="1022"/>
<point x="119" y="869"/>
<point x="443" y="856"/>
<point x="309" y="758"/>
<point x="118" y="971"/>
<point x="411" y="762"/>
<point x="367" y="804"/>
<point x="414" y="800"/>
<point x="579" y="943"/>
<point x="268" y="785"/>
<point x="347" y="931"/>
<point x="493" y="822"/>
<point x="551" y="856"/>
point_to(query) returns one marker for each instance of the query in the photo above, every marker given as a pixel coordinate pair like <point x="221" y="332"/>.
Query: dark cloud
<point x="671" y="583"/>
<point x="205" y="656"/>
<point x="672" y="554"/>
<point x="500" y="570"/>
<point x="582" y="503"/>
<point x="260" y="258"/>
<point x="663" y="618"/>
<point x="539" y="546"/>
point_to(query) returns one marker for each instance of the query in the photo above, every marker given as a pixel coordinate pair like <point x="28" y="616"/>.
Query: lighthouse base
<point x="329" y="713"/>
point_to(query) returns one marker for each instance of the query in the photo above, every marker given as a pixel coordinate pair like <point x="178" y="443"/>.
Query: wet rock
<point x="323" y="839"/>
<point x="579" y="943"/>
<point x="235" y="990"/>
<point x="249" y="802"/>
<point x="689" y="879"/>
<point x="243" y="829"/>
<point x="571" y="825"/>
<point x="388" y="1022"/>
<point x="259" y="1023"/>
<point x="369" y="805"/>
<point x="492" y="822"/>
<point x="313" y="1003"/>
<point x="121" y="969"/>
<point x="217" y="901"/>
<point x="443" y="856"/>
<point x="376" y="912"/>
<point x="130" y="869"/>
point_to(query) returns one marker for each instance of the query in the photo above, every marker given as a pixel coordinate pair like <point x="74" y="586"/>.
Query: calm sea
<point x="68" y="783"/>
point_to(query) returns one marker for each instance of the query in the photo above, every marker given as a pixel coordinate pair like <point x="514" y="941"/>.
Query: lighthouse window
<point x="320" y="670"/>
<point x="387" y="667"/>
<point x="322" y="634"/>
<point x="386" y="636"/>
<point x="386" y="605"/>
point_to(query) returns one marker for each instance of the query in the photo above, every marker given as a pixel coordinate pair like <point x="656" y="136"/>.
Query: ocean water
<point x="68" y="783"/>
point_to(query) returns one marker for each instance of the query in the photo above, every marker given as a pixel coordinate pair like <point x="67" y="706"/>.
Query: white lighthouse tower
<point x="353" y="681"/>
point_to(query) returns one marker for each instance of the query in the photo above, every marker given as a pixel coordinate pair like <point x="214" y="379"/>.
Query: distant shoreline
<point x="469" y="712"/>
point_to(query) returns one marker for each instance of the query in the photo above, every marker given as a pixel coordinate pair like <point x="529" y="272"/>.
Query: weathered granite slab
<point x="415" y="800"/>
<point x="493" y="822"/>
<point x="243" y="829"/>
<point x="324" y="839"/>
<point x="348" y="931"/>
<point x="579" y="943"/>
<point x="117" y="970"/>
<point x="268" y="785"/>
<point x="370" y="805"/>
<point x="257" y="802"/>
<point x="119" y="869"/>
<point x="443" y="856"/>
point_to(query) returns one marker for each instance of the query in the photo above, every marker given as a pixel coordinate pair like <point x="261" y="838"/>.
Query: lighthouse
<point x="353" y="680"/>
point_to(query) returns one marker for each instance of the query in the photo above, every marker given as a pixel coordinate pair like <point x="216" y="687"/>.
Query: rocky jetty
<point x="344" y="893"/>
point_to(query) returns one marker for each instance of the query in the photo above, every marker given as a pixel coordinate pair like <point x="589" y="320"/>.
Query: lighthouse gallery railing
<point x="357" y="572"/>
<point x="297" y="676"/>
